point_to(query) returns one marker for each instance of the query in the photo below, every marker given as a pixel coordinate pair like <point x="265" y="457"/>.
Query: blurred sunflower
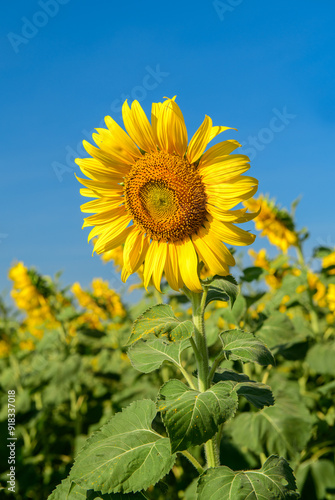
<point x="165" y="199"/>
<point x="274" y="223"/>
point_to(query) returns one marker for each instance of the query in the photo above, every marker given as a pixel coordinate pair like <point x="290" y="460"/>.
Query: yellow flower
<point x="116" y="255"/>
<point x="260" y="259"/>
<point x="31" y="301"/>
<point x="319" y="289"/>
<point x="328" y="261"/>
<point x="273" y="223"/>
<point x="168" y="201"/>
<point x="331" y="297"/>
<point x="27" y="345"/>
<point x="4" y="348"/>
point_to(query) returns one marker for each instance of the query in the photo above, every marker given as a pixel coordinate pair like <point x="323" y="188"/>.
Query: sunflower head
<point x="163" y="197"/>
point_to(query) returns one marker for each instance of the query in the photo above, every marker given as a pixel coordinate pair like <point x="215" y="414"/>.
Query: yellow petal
<point x="211" y="252"/>
<point x="100" y="188"/>
<point x="138" y="126"/>
<point x="107" y="143"/>
<point x="217" y="130"/>
<point x="200" y="140"/>
<point x="237" y="216"/>
<point x="105" y="157"/>
<point x="105" y="217"/>
<point x="102" y="204"/>
<point x="229" y="233"/>
<point x="188" y="264"/>
<point x="135" y="250"/>
<point x="172" y="272"/>
<point x="154" y="263"/>
<point x="155" y="111"/>
<point x="231" y="166"/>
<point x="218" y="151"/>
<point x="170" y="128"/>
<point x="120" y="137"/>
<point x="114" y="235"/>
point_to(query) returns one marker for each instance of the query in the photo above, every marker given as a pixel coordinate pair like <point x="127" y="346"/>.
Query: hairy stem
<point x="199" y="345"/>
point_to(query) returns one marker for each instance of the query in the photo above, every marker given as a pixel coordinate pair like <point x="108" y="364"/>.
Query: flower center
<point x="165" y="196"/>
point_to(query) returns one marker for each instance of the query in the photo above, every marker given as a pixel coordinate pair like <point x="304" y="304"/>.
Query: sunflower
<point x="166" y="200"/>
<point x="274" y="223"/>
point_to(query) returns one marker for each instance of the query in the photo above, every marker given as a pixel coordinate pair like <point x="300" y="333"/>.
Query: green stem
<point x="193" y="461"/>
<point x="186" y="376"/>
<point x="199" y="345"/>
<point x="216" y="363"/>
<point x="301" y="258"/>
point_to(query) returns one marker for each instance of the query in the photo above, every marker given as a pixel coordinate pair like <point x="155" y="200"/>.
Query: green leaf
<point x="244" y="346"/>
<point x="274" y="481"/>
<point x="66" y="491"/>
<point x="321" y="358"/>
<point x="321" y="252"/>
<point x="222" y="288"/>
<point x="160" y="321"/>
<point x="282" y="429"/>
<point x="256" y="393"/>
<point x="125" y="455"/>
<point x="278" y="332"/>
<point x="192" y="417"/>
<point x="323" y="475"/>
<point x="147" y="356"/>
<point x="251" y="273"/>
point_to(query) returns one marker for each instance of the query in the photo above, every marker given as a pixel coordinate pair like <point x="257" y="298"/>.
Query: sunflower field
<point x="75" y="359"/>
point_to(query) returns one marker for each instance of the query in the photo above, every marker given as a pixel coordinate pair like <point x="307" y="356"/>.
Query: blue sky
<point x="266" y="68"/>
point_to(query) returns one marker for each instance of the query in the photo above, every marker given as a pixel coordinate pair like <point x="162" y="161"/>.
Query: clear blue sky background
<point x="240" y="62"/>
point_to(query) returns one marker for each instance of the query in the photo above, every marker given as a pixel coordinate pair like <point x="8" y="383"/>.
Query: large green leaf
<point x="256" y="393"/>
<point x="321" y="358"/>
<point x="278" y="332"/>
<point x="222" y="288"/>
<point x="126" y="455"/>
<point x="66" y="491"/>
<point x="274" y="481"/>
<point x="147" y="356"/>
<point x="282" y="429"/>
<point x="160" y="321"/>
<point x="244" y="346"/>
<point x="192" y="417"/>
<point x="322" y="473"/>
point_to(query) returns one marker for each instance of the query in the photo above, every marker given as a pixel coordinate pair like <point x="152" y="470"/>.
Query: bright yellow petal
<point x="105" y="217"/>
<point x="121" y="138"/>
<point x="211" y="252"/>
<point x="138" y="126"/>
<point x="102" y="204"/>
<point x="172" y="272"/>
<point x="218" y="152"/>
<point x="114" y="234"/>
<point x="188" y="264"/>
<point x="231" y="166"/>
<point x="170" y="128"/>
<point x="227" y="232"/>
<point x="217" y="130"/>
<point x="155" y="112"/>
<point x="237" y="216"/>
<point x="232" y="192"/>
<point x="154" y="263"/>
<point x="135" y="250"/>
<point x="113" y="160"/>
<point x="101" y="189"/>
<point x="200" y="140"/>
